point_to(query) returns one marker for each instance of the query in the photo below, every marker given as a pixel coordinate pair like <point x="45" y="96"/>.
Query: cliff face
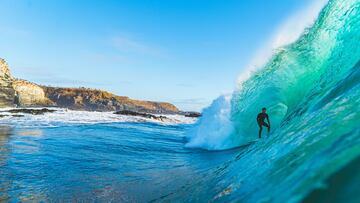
<point x="6" y="90"/>
<point x="28" y="94"/>
<point x="4" y="69"/>
<point x="97" y="100"/>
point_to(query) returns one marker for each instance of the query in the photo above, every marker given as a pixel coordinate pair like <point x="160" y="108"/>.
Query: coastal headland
<point x="25" y="94"/>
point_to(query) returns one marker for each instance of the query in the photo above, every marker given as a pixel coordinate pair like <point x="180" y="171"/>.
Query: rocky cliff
<point x="6" y="90"/>
<point x="4" y="69"/>
<point x="30" y="94"/>
<point x="98" y="100"/>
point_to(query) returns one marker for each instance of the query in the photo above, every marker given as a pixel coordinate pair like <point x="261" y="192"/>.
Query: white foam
<point x="214" y="127"/>
<point x="65" y="116"/>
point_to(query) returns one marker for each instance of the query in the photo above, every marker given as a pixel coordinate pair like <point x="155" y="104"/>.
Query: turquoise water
<point x="310" y="87"/>
<point x="142" y="162"/>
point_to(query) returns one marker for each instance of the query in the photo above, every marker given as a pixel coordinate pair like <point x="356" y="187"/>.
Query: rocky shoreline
<point x="144" y="115"/>
<point x="21" y="112"/>
<point x="25" y="94"/>
<point x="18" y="112"/>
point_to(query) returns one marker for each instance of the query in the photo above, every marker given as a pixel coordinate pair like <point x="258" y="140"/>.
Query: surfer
<point x="261" y="120"/>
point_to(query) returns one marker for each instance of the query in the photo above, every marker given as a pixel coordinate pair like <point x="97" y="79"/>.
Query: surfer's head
<point x="264" y="110"/>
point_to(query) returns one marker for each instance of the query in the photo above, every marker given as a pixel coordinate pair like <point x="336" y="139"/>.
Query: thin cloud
<point x="44" y="77"/>
<point x="198" y="101"/>
<point x="66" y="81"/>
<point x="194" y="104"/>
<point x="185" y="85"/>
<point x="14" y="32"/>
<point x="129" y="45"/>
<point x="100" y="57"/>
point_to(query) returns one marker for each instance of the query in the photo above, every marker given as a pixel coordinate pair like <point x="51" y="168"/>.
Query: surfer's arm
<point x="267" y="118"/>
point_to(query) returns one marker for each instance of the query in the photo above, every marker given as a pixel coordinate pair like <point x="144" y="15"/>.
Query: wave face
<point x="309" y="87"/>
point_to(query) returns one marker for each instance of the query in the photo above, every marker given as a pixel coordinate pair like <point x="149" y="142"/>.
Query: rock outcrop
<point x="144" y="115"/>
<point x="98" y="100"/>
<point x="27" y="93"/>
<point x="32" y="111"/>
<point x="192" y="114"/>
<point x="4" y="69"/>
<point x="6" y="91"/>
<point x="30" y="94"/>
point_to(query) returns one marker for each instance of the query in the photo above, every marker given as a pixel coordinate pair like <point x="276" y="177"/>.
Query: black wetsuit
<point x="261" y="122"/>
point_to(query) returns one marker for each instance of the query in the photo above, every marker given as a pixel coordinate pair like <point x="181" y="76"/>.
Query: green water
<point x="311" y="89"/>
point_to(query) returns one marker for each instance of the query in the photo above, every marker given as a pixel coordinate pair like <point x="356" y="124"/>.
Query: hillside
<point x="93" y="99"/>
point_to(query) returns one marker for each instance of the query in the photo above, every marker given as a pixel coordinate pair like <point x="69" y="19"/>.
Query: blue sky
<point x="181" y="51"/>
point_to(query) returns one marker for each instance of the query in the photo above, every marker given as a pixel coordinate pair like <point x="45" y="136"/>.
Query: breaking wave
<point x="299" y="79"/>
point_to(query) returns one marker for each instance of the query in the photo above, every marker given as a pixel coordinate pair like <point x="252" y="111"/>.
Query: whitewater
<point x="310" y="85"/>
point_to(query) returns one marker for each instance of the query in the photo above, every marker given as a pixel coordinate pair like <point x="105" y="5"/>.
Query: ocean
<point x="310" y="87"/>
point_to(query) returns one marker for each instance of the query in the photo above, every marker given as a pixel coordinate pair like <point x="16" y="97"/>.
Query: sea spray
<point x="214" y="127"/>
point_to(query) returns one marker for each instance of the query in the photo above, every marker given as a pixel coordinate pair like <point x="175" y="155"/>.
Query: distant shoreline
<point x="22" y="93"/>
